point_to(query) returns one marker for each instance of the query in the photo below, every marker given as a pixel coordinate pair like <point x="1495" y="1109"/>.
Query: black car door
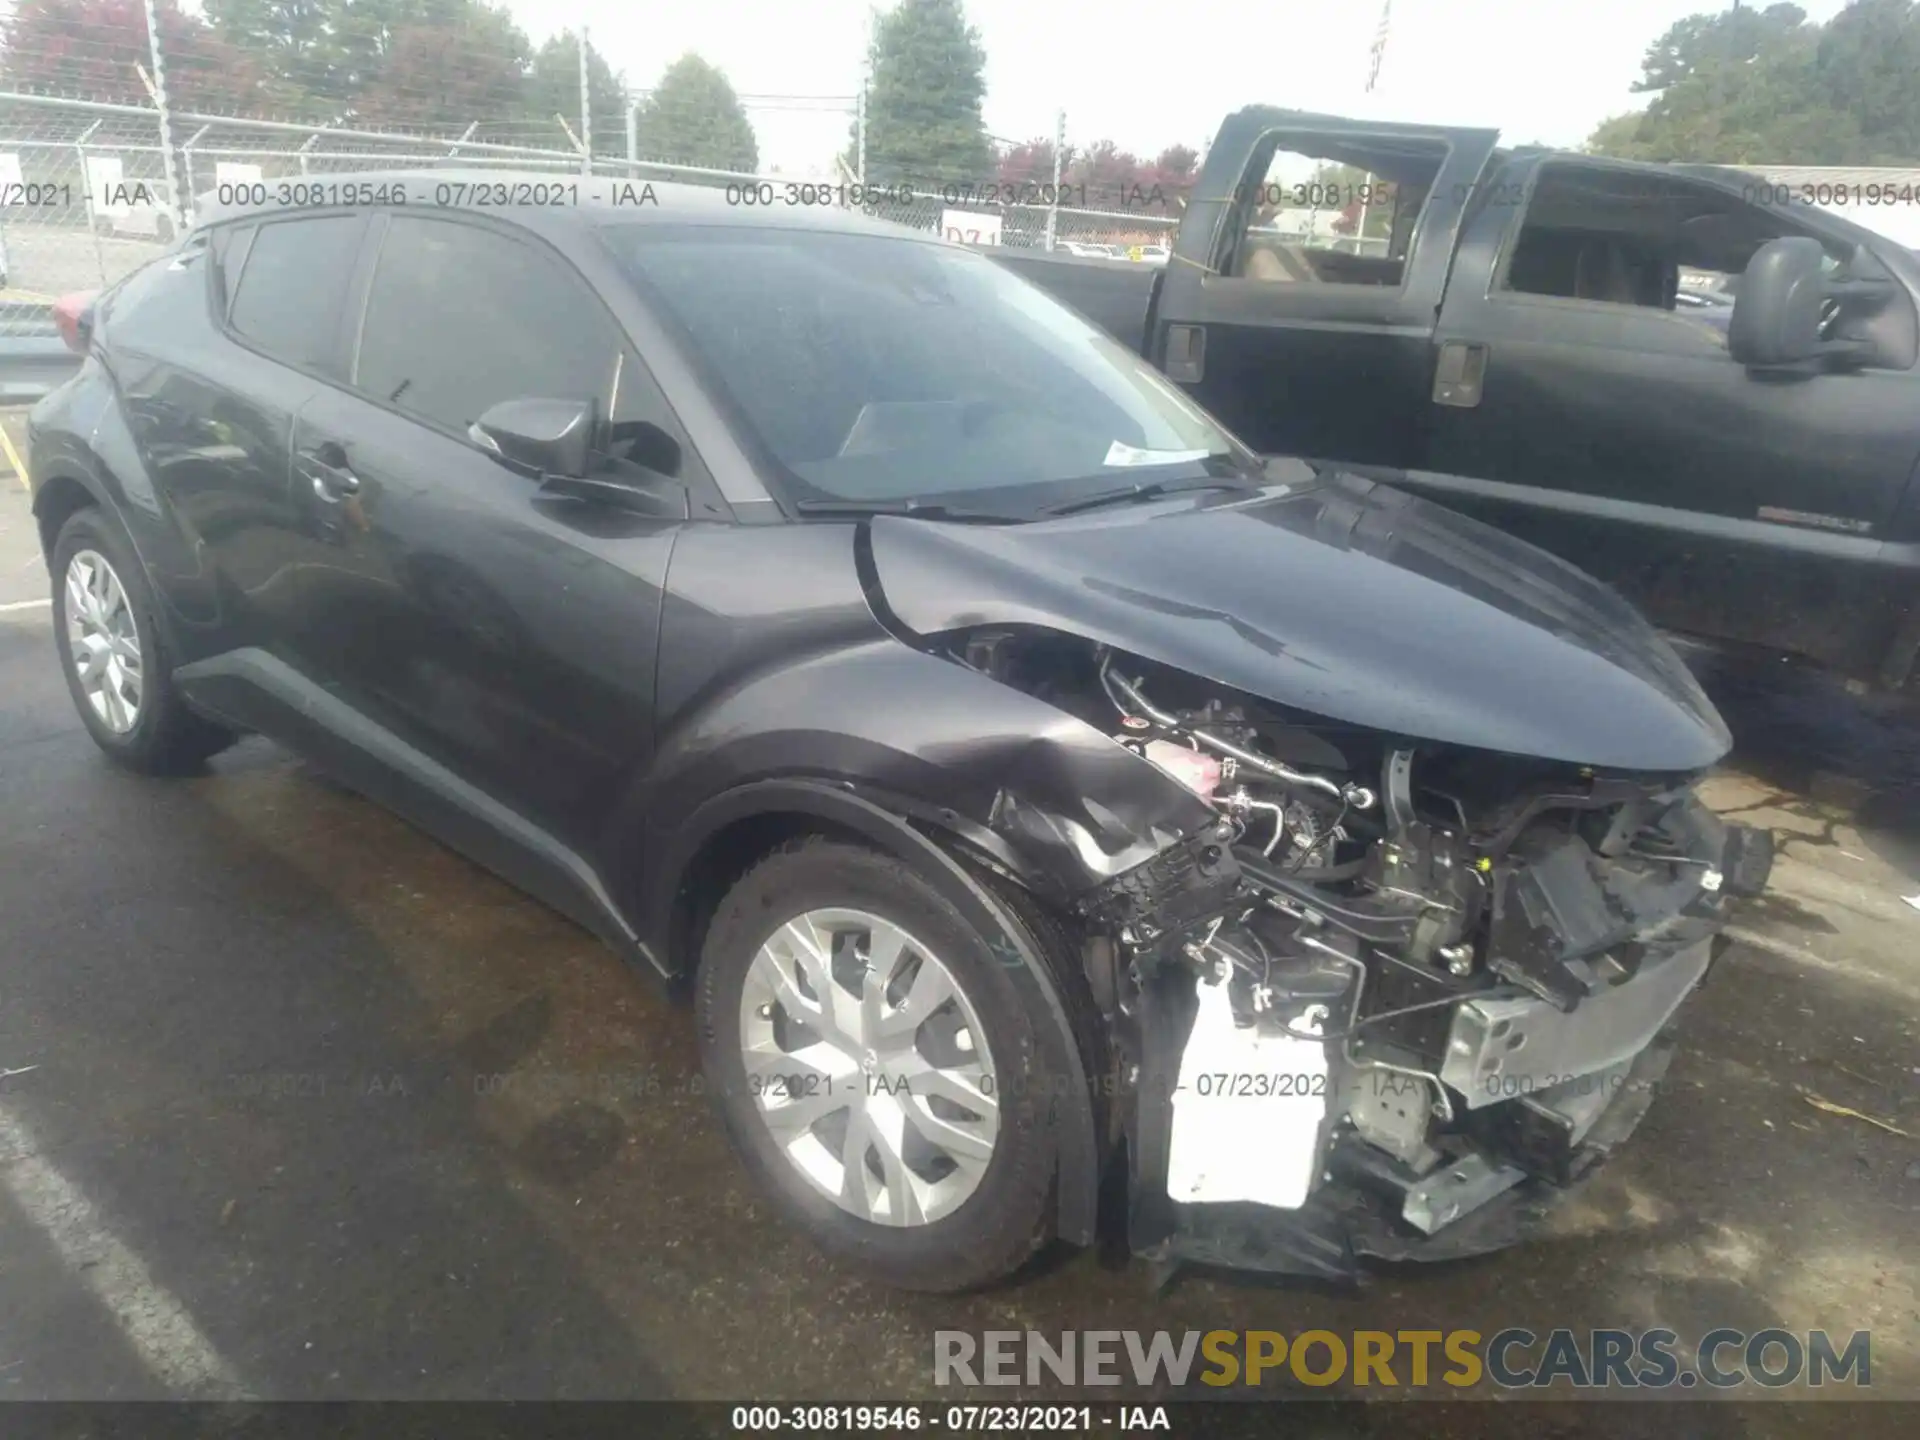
<point x="1307" y="327"/>
<point x="1610" y="424"/>
<point x="216" y="350"/>
<point x="472" y="617"/>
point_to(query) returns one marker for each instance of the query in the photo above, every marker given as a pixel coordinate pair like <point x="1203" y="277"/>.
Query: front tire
<point x="875" y="1068"/>
<point x="117" y="666"/>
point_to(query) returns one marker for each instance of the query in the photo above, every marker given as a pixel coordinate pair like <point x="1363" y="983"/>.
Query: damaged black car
<point x="1030" y="785"/>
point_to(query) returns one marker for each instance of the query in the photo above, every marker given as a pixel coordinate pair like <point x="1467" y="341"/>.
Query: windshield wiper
<point x="1151" y="490"/>
<point x="913" y="509"/>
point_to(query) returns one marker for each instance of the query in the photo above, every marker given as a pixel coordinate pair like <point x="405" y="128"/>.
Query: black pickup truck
<point x="1687" y="380"/>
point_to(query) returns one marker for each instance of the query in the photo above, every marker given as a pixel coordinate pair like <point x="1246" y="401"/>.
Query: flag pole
<point x="1377" y="54"/>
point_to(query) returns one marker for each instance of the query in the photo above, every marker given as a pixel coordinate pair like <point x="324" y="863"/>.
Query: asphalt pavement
<point x="297" y="1104"/>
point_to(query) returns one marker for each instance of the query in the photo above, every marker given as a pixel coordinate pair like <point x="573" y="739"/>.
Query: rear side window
<point x="459" y="318"/>
<point x="1326" y="210"/>
<point x="230" y="245"/>
<point x="161" y="304"/>
<point x="294" y="288"/>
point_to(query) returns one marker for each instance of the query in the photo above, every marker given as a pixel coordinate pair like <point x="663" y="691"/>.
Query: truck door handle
<point x="1186" y="356"/>
<point x="1459" y="374"/>
<point x="326" y="467"/>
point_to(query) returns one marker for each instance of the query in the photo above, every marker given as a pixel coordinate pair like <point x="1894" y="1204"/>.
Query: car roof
<point x="594" y="201"/>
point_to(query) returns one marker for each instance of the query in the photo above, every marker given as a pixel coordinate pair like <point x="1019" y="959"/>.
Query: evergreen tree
<point x="693" y="117"/>
<point x="927" y="81"/>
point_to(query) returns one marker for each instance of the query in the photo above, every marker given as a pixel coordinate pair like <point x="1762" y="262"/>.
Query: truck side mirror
<point x="1776" y="318"/>
<point x="1791" y="309"/>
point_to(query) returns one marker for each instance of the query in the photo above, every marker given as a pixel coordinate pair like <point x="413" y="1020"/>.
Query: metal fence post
<point x="633" y="133"/>
<point x="160" y="104"/>
<point x="860" y="136"/>
<point x="586" y="109"/>
<point x="1059" y="151"/>
<point x="86" y="188"/>
<point x="306" y="145"/>
<point x="186" y="153"/>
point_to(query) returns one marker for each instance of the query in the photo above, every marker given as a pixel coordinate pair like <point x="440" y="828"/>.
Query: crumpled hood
<point x="1338" y="596"/>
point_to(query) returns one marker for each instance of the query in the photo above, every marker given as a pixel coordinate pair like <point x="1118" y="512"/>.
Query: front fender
<point x="1059" y="802"/>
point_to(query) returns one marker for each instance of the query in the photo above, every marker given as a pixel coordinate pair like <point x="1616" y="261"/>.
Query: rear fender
<point x="79" y="441"/>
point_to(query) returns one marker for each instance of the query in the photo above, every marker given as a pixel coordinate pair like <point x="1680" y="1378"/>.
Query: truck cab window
<point x="1327" y="211"/>
<point x="1622" y="237"/>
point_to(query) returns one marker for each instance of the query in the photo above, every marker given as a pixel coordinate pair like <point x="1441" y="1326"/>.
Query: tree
<point x="1109" y="174"/>
<point x="1764" y="86"/>
<point x="362" y="35"/>
<point x="553" y="88"/>
<point x="1177" y="165"/>
<point x="429" y="76"/>
<point x="927" y="79"/>
<point x="291" y="39"/>
<point x="1030" y="164"/>
<point x="1866" y="63"/>
<point x="382" y="61"/>
<point x="96" y="49"/>
<point x="692" y="117"/>
<point x="1114" y="179"/>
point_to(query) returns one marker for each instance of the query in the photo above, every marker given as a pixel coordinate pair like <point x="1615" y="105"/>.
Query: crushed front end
<point x="1399" y="998"/>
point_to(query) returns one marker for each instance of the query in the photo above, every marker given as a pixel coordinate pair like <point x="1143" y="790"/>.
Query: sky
<point x="1148" y="73"/>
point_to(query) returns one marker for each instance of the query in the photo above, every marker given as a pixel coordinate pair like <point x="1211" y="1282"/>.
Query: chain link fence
<point x="84" y="199"/>
<point x="86" y="193"/>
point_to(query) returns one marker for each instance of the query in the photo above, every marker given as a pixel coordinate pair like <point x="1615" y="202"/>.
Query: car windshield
<point x="887" y="371"/>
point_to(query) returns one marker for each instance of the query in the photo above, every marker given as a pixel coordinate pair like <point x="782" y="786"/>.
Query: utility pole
<point x="1059" y="151"/>
<point x="866" y="92"/>
<point x="175" y="201"/>
<point x="586" y="109"/>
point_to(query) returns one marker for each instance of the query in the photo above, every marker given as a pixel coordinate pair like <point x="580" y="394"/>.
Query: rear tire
<point x="115" y="660"/>
<point x="926" y="1205"/>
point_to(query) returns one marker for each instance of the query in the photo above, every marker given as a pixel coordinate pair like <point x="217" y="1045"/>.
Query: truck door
<point x="1309" y="271"/>
<point x="1605" y="419"/>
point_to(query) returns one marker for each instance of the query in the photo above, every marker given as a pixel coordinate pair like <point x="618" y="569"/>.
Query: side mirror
<point x="1792" y="310"/>
<point x="549" y="437"/>
<point x="643" y="443"/>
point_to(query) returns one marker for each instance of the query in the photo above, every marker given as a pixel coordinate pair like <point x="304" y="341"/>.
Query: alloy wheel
<point x="869" y="1066"/>
<point x="104" y="641"/>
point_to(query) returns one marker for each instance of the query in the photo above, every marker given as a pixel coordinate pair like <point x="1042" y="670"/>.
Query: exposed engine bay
<point x="1398" y="995"/>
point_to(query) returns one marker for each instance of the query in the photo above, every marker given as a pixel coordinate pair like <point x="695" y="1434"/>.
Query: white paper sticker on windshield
<point x="1122" y="454"/>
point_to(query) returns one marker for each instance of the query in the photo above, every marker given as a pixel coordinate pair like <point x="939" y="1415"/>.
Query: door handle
<point x="1186" y="359"/>
<point x="326" y="467"/>
<point x="1459" y="373"/>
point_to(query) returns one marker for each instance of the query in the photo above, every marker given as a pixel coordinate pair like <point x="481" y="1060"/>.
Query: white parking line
<point x="161" y="1332"/>
<point x="13" y="605"/>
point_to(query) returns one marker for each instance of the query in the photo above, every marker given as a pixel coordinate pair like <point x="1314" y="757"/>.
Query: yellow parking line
<point x="27" y="297"/>
<point x="13" y="459"/>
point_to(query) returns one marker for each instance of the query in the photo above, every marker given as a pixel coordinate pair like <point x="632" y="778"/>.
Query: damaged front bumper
<point x="1456" y="1128"/>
